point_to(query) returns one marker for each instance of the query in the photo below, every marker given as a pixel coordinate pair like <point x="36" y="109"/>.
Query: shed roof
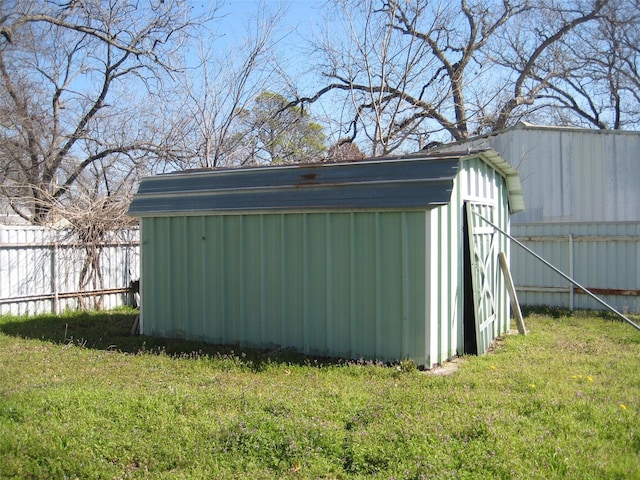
<point x="411" y="181"/>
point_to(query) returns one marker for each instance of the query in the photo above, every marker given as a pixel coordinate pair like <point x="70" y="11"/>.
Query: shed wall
<point x="479" y="184"/>
<point x="382" y="285"/>
<point x="344" y="284"/>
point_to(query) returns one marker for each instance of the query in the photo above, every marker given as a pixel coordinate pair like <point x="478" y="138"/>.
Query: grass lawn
<point x="81" y="398"/>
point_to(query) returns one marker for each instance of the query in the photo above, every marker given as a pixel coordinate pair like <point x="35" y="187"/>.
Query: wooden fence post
<point x="515" y="305"/>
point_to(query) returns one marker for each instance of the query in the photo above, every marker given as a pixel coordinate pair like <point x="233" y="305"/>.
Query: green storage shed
<point x="383" y="259"/>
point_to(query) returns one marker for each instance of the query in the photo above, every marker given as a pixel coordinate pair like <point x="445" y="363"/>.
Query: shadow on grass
<point x="558" y="312"/>
<point x="554" y="312"/>
<point x="112" y="331"/>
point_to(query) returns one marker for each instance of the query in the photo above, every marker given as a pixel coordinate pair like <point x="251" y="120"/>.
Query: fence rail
<point x="46" y="270"/>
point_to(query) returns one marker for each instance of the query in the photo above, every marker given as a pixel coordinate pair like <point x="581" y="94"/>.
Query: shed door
<point x="482" y="240"/>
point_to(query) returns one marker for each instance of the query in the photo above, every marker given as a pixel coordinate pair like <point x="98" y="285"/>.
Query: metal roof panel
<point x="389" y="184"/>
<point x="412" y="181"/>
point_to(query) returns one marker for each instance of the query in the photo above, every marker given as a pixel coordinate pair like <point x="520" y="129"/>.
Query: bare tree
<point x="75" y="79"/>
<point x="221" y="88"/>
<point x="376" y="70"/>
<point x="417" y="71"/>
<point x="600" y="86"/>
<point x="92" y="219"/>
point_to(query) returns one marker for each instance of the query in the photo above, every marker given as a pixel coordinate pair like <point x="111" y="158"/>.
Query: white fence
<point x="602" y="257"/>
<point x="45" y="270"/>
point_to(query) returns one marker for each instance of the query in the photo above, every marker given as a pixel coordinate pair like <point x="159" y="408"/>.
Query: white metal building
<point x="583" y="212"/>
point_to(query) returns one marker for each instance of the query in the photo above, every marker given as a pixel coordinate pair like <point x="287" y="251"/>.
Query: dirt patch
<point x="450" y="367"/>
<point x="447" y="368"/>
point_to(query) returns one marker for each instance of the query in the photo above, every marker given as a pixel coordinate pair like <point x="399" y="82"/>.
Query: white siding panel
<point x="568" y="174"/>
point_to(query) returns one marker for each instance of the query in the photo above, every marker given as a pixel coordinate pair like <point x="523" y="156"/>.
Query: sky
<point x="298" y="10"/>
<point x="303" y="19"/>
<point x="301" y="15"/>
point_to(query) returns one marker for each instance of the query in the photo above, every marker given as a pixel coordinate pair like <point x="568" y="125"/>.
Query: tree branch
<point x="527" y="70"/>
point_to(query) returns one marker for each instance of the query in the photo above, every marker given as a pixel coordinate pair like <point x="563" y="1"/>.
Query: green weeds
<point x="81" y="398"/>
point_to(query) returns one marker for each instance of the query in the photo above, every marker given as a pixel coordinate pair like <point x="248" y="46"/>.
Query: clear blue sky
<point x="302" y="18"/>
<point x="301" y="14"/>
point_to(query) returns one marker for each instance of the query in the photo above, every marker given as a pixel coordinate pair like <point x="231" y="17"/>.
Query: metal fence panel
<point x="603" y="257"/>
<point x="46" y="270"/>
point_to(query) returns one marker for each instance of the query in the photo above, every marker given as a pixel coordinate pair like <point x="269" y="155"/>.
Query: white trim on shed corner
<point x="514" y="185"/>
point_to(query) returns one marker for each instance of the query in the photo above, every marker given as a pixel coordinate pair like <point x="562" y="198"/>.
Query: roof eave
<point x="510" y="174"/>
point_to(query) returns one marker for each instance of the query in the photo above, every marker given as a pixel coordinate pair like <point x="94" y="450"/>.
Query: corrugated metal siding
<point x="570" y="175"/>
<point x="413" y="181"/>
<point x="380" y="285"/>
<point x="478" y="183"/>
<point x="443" y="289"/>
<point x="604" y="257"/>
<point x="482" y="185"/>
<point x="348" y="284"/>
<point x="40" y="269"/>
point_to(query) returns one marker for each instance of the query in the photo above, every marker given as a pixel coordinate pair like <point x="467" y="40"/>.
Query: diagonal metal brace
<point x="561" y="273"/>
